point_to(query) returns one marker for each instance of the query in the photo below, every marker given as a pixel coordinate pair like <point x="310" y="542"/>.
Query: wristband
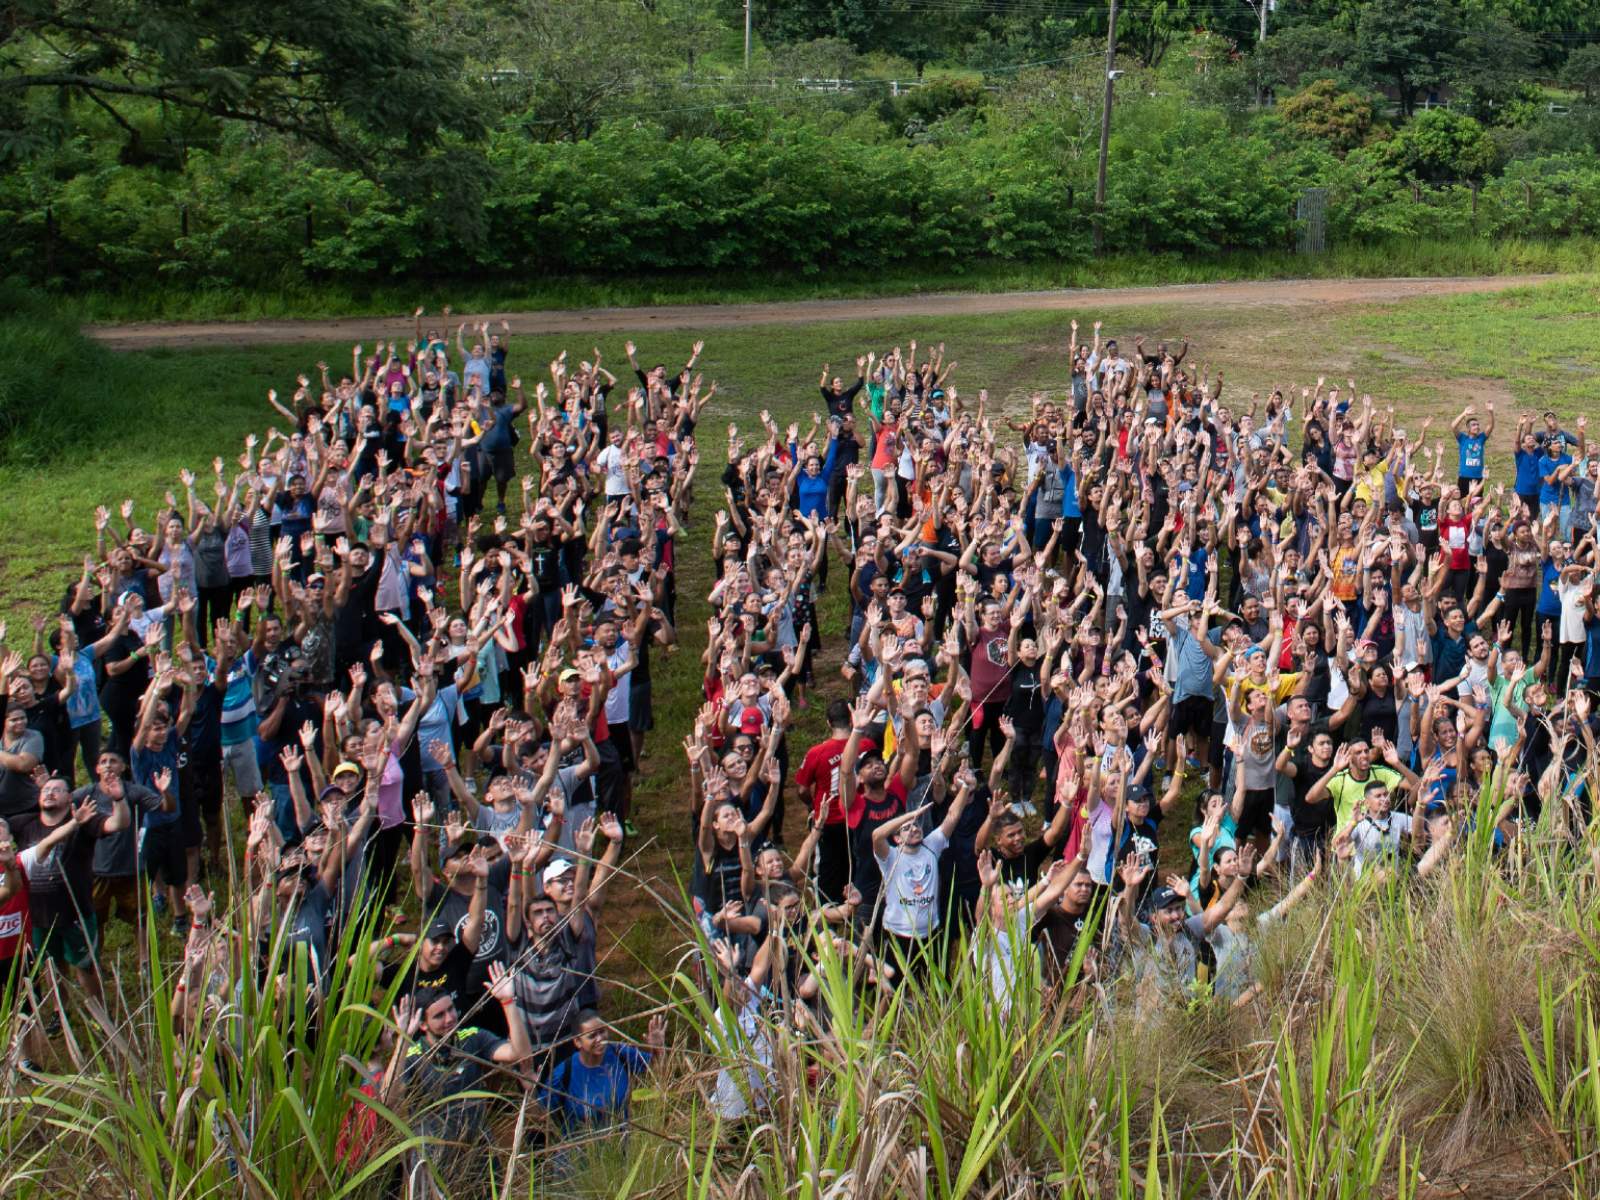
<point x="388" y="943"/>
<point x="182" y="987"/>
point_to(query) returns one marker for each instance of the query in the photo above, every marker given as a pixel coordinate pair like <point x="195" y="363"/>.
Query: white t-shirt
<point x="612" y="461"/>
<point x="750" y="1044"/>
<point x="911" y="887"/>
<point x="1571" y="611"/>
<point x="1374" y="839"/>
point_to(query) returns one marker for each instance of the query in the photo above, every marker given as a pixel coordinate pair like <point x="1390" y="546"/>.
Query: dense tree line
<point x="250" y="144"/>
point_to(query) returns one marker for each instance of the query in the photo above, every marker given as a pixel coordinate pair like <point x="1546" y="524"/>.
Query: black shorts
<point x="208" y="787"/>
<point x="1192" y="715"/>
<point x="163" y="857"/>
<point x="504" y="465"/>
<point x="1216" y="751"/>
<point x="641" y="718"/>
<point x="1257" y="815"/>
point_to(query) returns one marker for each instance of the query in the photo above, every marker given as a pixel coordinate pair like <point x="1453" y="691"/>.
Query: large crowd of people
<point x="1278" y="623"/>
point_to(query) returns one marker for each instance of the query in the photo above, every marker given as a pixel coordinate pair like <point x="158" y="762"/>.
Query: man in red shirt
<point x="818" y="784"/>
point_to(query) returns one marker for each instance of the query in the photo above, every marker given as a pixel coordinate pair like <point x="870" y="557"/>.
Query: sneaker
<point x="1191" y="762"/>
<point x="52" y="1026"/>
<point x="180" y="925"/>
<point x="1028" y="810"/>
<point x="158" y="902"/>
<point x="500" y="508"/>
<point x="629" y="829"/>
<point x="28" y="1067"/>
<point x="802" y="703"/>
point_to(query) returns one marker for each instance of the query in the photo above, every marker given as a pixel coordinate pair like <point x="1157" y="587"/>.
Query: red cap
<point x="750" y="722"/>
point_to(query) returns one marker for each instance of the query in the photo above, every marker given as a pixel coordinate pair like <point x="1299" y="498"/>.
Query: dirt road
<point x="140" y="336"/>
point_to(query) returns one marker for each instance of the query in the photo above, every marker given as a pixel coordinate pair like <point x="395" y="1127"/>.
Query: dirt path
<point x="142" y="335"/>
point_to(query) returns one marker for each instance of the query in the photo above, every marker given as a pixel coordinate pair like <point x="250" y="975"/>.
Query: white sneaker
<point x="1028" y="810"/>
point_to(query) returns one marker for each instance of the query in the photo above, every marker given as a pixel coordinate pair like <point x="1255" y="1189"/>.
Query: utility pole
<point x="747" y="33"/>
<point x="1105" y="133"/>
<point x="1262" y="8"/>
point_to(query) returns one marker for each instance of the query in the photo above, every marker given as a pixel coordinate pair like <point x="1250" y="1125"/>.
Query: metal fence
<point x="1311" y="212"/>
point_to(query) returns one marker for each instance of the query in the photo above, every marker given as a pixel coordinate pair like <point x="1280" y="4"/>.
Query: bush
<point x="1440" y="145"/>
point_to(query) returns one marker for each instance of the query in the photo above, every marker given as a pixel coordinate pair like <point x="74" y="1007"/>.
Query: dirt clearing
<point x="1256" y="294"/>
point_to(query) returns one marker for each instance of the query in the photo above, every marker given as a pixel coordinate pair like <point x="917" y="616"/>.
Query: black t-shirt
<point x="1023" y="870"/>
<point x="450" y="904"/>
<point x="1058" y="931"/>
<point x="122" y="692"/>
<point x="451" y="975"/>
<point x="62" y="885"/>
<point x="1308" y="820"/>
<point x="351" y="620"/>
<point x="546" y="560"/>
<point x="48" y="718"/>
<point x="721" y="883"/>
<point x="839" y="404"/>
<point x="1026" y="705"/>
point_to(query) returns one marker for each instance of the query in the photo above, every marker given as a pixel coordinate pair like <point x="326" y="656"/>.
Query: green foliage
<point x="1442" y="145"/>
<point x="942" y="96"/>
<point x="1341" y="119"/>
<point x="358" y="77"/>
<point x="1582" y="69"/>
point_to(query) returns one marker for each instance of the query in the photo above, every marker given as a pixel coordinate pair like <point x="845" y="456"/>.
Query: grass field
<point x="1534" y="348"/>
<point x="1408" y="258"/>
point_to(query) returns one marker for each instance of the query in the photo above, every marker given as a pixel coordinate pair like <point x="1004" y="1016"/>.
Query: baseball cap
<point x="332" y="791"/>
<point x="751" y="722"/>
<point x="1164" y="897"/>
<point x="316" y="577"/>
<point x="346" y="768"/>
<point x="569" y="673"/>
<point x="438" y="930"/>
<point x="556" y="870"/>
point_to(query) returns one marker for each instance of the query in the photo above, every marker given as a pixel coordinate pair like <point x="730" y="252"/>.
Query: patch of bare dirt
<point x="143" y="335"/>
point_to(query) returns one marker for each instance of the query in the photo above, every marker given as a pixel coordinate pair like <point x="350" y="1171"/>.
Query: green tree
<point x="357" y="77"/>
<point x="1406" y="46"/>
<point x="1441" y="146"/>
<point x="1322" y="111"/>
<point x="1582" y="69"/>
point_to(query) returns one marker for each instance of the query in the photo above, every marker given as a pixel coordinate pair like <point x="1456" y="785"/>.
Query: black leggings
<point x="213" y="604"/>
<point x="1521" y="609"/>
<point x="990" y="729"/>
<point x="1564" y="656"/>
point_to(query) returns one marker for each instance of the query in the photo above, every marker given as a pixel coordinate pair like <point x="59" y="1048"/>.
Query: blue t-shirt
<point x="1194" y="668"/>
<point x="1549" y="601"/>
<point x="239" y="717"/>
<point x="1527" y="473"/>
<point x="1552" y="493"/>
<point x="1195" y="588"/>
<point x="1471" y="449"/>
<point x="146" y="765"/>
<point x="1591" y="658"/>
<point x="83" y="706"/>
<point x="594" y="1095"/>
<point x="1069" y="494"/>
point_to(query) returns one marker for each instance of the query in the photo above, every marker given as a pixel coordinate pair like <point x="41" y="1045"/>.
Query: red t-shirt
<point x="1453" y="540"/>
<point x="894" y="803"/>
<point x="14" y="925"/>
<point x="820" y="772"/>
